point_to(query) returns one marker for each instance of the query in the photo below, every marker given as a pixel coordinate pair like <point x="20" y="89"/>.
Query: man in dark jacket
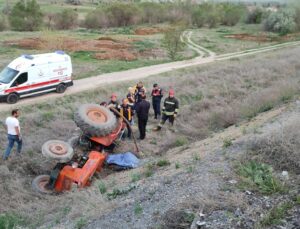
<point x="156" y="99"/>
<point x="142" y="111"/>
<point x="170" y="110"/>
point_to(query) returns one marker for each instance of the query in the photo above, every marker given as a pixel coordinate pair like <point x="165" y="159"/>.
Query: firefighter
<point x="169" y="110"/>
<point x="156" y="94"/>
<point x="140" y="90"/>
<point x="127" y="112"/>
<point x="114" y="103"/>
<point x="142" y="111"/>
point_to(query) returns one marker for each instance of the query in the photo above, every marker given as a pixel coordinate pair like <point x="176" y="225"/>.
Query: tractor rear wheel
<point x="39" y="184"/>
<point x="95" y="120"/>
<point x="58" y="150"/>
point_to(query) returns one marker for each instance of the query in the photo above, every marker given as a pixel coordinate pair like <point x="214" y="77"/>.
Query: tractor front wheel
<point x="39" y="184"/>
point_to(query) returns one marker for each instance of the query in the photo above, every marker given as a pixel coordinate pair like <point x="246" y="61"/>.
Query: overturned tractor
<point x="99" y="130"/>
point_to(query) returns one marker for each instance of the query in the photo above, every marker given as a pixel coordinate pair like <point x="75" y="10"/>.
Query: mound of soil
<point x="148" y="31"/>
<point x="105" y="48"/>
<point x="248" y="37"/>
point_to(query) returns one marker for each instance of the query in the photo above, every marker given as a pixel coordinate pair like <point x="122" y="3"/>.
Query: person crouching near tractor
<point x="169" y="110"/>
<point x="13" y="133"/>
<point x="113" y="103"/>
<point x="127" y="112"/>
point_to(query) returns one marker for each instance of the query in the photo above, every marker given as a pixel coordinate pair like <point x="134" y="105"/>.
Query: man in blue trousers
<point x="13" y="133"/>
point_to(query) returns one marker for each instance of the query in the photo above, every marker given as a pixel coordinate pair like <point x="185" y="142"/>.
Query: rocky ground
<point x="204" y="189"/>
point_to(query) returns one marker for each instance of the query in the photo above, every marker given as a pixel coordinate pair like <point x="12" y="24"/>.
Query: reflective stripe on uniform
<point x="168" y="113"/>
<point x="169" y="102"/>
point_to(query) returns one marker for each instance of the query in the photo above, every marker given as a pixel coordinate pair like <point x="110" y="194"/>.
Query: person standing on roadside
<point x="156" y="94"/>
<point x="142" y="111"/>
<point x="13" y="133"/>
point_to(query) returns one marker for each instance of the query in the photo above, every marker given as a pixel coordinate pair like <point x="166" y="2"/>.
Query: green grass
<point x="11" y="221"/>
<point x="226" y="143"/>
<point x="181" y="141"/>
<point x="102" y="188"/>
<point x="138" y="209"/>
<point x="259" y="176"/>
<point x="163" y="162"/>
<point x="135" y="177"/>
<point x="80" y="223"/>
<point x="276" y="214"/>
<point x="215" y="40"/>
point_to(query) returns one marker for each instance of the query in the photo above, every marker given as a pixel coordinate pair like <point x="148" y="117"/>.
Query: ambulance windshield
<point x="7" y="75"/>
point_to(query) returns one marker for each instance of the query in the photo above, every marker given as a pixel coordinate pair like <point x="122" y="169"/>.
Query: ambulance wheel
<point x="58" y="150"/>
<point x="95" y="120"/>
<point x="61" y="88"/>
<point x="12" y="98"/>
<point x="39" y="184"/>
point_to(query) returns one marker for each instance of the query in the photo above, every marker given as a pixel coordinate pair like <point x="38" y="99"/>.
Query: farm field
<point x="218" y="106"/>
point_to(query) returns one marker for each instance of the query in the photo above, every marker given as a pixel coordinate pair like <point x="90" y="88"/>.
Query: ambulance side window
<point x="23" y="78"/>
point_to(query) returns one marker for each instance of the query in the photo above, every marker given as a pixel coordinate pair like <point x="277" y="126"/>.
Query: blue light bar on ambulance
<point x="60" y="52"/>
<point x="26" y="56"/>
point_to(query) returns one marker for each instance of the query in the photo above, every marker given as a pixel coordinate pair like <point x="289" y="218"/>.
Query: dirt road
<point x="205" y="56"/>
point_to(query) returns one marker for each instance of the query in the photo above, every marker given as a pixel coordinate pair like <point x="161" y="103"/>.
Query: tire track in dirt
<point x="95" y="82"/>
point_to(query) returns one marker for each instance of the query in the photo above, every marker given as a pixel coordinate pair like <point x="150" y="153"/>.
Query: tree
<point x="2" y="22"/>
<point x="282" y="22"/>
<point x="26" y="16"/>
<point x="66" y="19"/>
<point x="256" y="16"/>
<point x="206" y="14"/>
<point x="232" y="13"/>
<point x="172" y="41"/>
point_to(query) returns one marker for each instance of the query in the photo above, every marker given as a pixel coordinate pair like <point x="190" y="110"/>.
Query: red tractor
<point x="100" y="128"/>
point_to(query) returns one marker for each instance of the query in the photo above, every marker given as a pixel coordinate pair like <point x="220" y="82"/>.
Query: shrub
<point x="227" y="142"/>
<point x="2" y="23"/>
<point x="66" y="19"/>
<point x="282" y="22"/>
<point x="26" y="17"/>
<point x="297" y="18"/>
<point x="255" y="16"/>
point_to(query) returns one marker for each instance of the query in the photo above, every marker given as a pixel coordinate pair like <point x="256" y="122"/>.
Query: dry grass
<point x="212" y="98"/>
<point x="281" y="148"/>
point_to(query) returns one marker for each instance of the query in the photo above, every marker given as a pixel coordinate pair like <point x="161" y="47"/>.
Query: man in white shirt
<point x="13" y="133"/>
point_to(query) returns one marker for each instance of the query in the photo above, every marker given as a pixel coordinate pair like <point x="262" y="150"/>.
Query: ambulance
<point x="30" y="75"/>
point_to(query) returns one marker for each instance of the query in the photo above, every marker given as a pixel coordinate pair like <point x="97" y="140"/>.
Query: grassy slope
<point x="212" y="97"/>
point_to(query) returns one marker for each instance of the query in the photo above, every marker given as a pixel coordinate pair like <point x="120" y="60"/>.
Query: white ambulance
<point x="35" y="74"/>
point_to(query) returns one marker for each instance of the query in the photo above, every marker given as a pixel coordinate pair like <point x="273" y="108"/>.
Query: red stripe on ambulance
<point x="22" y="88"/>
